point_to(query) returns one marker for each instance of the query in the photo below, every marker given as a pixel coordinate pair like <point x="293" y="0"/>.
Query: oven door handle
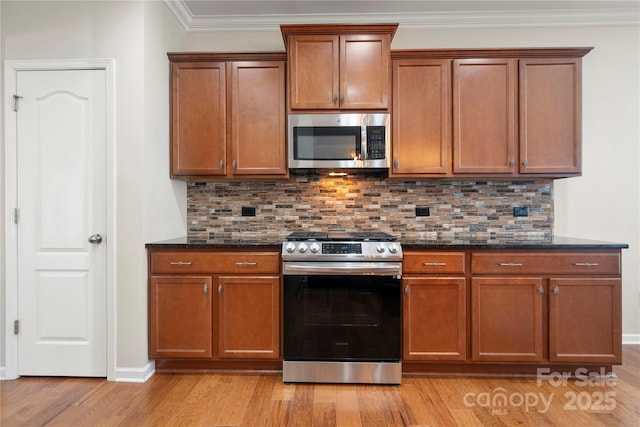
<point x="342" y="268"/>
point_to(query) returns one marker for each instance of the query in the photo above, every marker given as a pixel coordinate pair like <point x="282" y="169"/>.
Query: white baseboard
<point x="135" y="375"/>
<point x="630" y="338"/>
<point x="2" y="373"/>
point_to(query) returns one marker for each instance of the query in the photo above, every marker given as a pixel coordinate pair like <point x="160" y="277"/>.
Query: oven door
<point x="342" y="317"/>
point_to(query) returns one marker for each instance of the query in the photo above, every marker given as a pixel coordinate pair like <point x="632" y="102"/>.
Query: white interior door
<point x="61" y="197"/>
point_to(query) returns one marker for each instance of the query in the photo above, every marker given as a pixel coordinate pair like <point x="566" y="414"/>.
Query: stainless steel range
<point x="342" y="308"/>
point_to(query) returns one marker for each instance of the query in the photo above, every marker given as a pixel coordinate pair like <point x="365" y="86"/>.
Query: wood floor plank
<point x="347" y="407"/>
<point x="235" y="407"/>
<point x="217" y="400"/>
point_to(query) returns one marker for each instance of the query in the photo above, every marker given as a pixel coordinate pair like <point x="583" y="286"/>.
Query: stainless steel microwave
<point x="339" y="141"/>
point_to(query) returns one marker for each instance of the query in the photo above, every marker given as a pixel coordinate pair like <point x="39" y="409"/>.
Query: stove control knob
<point x="302" y="248"/>
<point x="393" y="248"/>
<point x="380" y="248"/>
<point x="314" y="248"/>
<point x="290" y="247"/>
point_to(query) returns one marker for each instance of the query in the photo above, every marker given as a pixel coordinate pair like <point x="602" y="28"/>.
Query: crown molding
<point x="495" y="19"/>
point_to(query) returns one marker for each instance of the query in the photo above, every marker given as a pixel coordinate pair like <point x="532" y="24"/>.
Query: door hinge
<point x="15" y="102"/>
<point x="16" y="327"/>
<point x="16" y="215"/>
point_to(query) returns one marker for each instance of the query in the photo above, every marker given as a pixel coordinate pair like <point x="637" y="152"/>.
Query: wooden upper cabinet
<point x="333" y="67"/>
<point x="257" y="132"/>
<point x="550" y="116"/>
<point x="421" y="117"/>
<point x="484" y="115"/>
<point x="365" y="71"/>
<point x="228" y="115"/>
<point x="314" y="72"/>
<point x="198" y="118"/>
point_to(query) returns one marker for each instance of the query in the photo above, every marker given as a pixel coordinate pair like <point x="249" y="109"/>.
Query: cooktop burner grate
<point x="375" y="236"/>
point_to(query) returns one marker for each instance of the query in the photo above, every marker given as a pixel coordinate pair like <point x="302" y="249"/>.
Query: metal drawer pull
<point x="180" y="263"/>
<point x="406" y="289"/>
<point x="511" y="264"/>
<point x="585" y="264"/>
<point x="206" y="289"/>
<point x="540" y="290"/>
<point x="434" y="264"/>
<point x="556" y="290"/>
<point x="220" y="288"/>
<point x="245" y="263"/>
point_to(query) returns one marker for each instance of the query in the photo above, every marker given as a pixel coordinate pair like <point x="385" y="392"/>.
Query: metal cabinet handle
<point x="335" y="99"/>
<point x="525" y="163"/>
<point x="220" y="288"/>
<point x="406" y="289"/>
<point x="510" y="264"/>
<point x="512" y="162"/>
<point x="179" y="263"/>
<point x="206" y="289"/>
<point x="434" y="264"/>
<point x="585" y="264"/>
<point x="396" y="163"/>
<point x="556" y="291"/>
<point x="221" y="164"/>
<point x="245" y="263"/>
<point x="342" y="99"/>
<point x="233" y="164"/>
<point x="95" y="239"/>
<point x="540" y="290"/>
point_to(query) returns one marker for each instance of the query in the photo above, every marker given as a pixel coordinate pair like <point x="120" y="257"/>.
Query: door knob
<point x="96" y="239"/>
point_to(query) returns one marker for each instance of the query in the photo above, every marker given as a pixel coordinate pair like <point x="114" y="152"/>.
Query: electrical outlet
<point x="423" y="211"/>
<point x="520" y="211"/>
<point x="248" y="211"/>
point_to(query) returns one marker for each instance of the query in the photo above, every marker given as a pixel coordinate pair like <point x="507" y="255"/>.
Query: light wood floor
<point x="263" y="400"/>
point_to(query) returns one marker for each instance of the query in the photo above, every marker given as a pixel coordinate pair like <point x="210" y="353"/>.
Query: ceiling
<point x="203" y="15"/>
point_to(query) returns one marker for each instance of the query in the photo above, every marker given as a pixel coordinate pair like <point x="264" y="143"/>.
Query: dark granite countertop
<point x="408" y="243"/>
<point x="555" y="242"/>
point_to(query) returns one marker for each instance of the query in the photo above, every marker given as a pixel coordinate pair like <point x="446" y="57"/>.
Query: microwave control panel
<point x="375" y="142"/>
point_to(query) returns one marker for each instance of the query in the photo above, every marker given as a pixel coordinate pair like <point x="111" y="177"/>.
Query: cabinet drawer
<point x="433" y="262"/>
<point x="215" y="262"/>
<point x="574" y="263"/>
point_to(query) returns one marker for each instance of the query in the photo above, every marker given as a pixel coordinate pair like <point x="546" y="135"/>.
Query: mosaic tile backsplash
<point x="458" y="209"/>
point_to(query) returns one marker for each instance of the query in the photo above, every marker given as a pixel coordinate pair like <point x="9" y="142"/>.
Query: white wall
<point x="604" y="203"/>
<point x="149" y="206"/>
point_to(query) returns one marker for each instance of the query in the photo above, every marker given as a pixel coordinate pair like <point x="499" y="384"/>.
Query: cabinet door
<point x="249" y="317"/>
<point x="365" y="71"/>
<point x="198" y="119"/>
<point x="434" y="319"/>
<point x="550" y="116"/>
<point x="585" y="320"/>
<point x="506" y="319"/>
<point x="314" y="75"/>
<point x="484" y="115"/>
<point x="421" y="117"/>
<point x="257" y="134"/>
<point x="180" y="317"/>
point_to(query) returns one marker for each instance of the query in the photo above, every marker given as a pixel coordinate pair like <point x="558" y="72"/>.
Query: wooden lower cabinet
<point x="249" y="317"/>
<point x="180" y="317"/>
<point x="506" y="319"/>
<point x="585" y="320"/>
<point x="435" y="321"/>
<point x="211" y="309"/>
<point x="511" y="311"/>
